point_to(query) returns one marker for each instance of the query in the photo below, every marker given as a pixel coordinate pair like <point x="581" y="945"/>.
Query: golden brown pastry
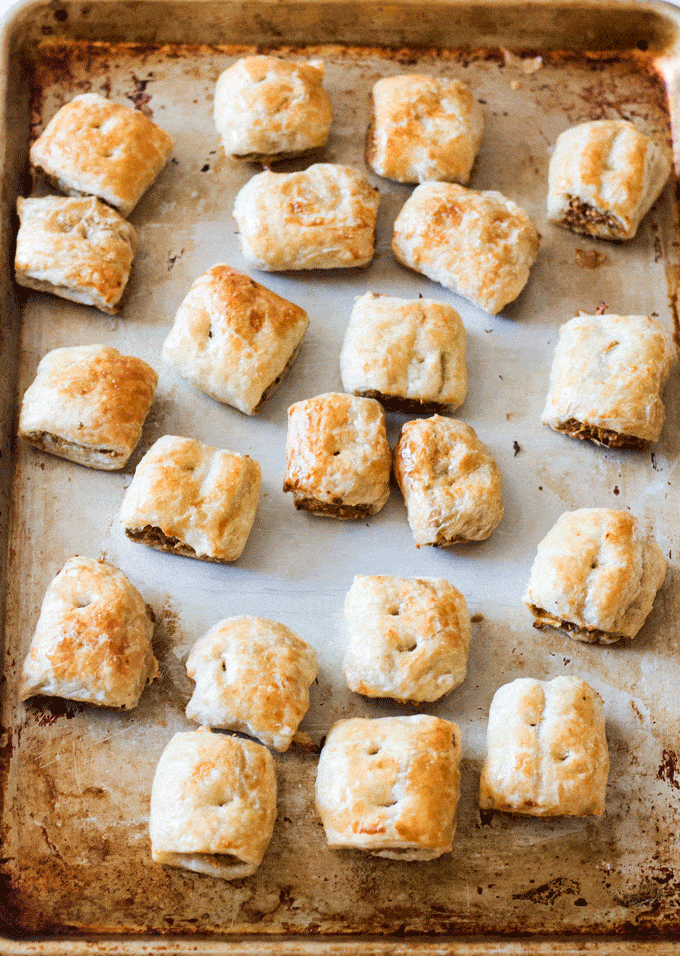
<point x="407" y="353"/>
<point x="234" y="339"/>
<point x="322" y="218"/>
<point x="193" y="500"/>
<point x="390" y="786"/>
<point x="595" y="576"/>
<point x="252" y="675"/>
<point x="93" y="147"/>
<point x="606" y="380"/>
<point x="213" y="804"/>
<point x="78" y="249"/>
<point x="93" y="639"/>
<point x="547" y="751"/>
<point x="479" y="244"/>
<point x="423" y="129"/>
<point x="271" y="109"/>
<point x="337" y="456"/>
<point x="88" y="403"/>
<point x="450" y="483"/>
<point x="603" y="178"/>
<point x="407" y="638"/>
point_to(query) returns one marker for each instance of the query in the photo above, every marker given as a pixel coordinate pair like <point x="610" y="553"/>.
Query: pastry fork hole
<point x="409" y="645"/>
<point x="373" y="749"/>
<point x="83" y="600"/>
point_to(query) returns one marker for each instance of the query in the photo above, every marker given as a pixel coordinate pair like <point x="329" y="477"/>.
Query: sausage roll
<point x="390" y="786"/>
<point x="337" y="457"/>
<point x="450" y="482"/>
<point x="93" y="639"/>
<point x="409" y="354"/>
<point x="88" y="403"/>
<point x="191" y="499"/>
<point x="213" y="804"/>
<point x="547" y="752"/>
<point x="595" y="576"/>
<point x="407" y="638"/>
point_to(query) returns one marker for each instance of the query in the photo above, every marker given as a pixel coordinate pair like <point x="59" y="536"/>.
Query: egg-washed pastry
<point x="407" y="353"/>
<point x="423" y="129"/>
<point x="213" y="804"/>
<point x="93" y="147"/>
<point x="450" y="482"/>
<point x="606" y="380"/>
<point x="603" y="178"/>
<point x="270" y="109"/>
<point x="479" y="244"/>
<point x="547" y="752"/>
<point x="88" y="403"/>
<point x="390" y="786"/>
<point x="93" y="639"/>
<point x="193" y="500"/>
<point x="234" y="339"/>
<point x="252" y="675"/>
<point x="337" y="456"/>
<point x="322" y="218"/>
<point x="78" y="249"/>
<point x="407" y="638"/>
<point x="595" y="576"/>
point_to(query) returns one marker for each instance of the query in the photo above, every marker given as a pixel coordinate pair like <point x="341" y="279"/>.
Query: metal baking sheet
<point x="76" y="857"/>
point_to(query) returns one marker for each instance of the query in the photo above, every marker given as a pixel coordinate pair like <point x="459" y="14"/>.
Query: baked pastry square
<point x="606" y="380"/>
<point x="595" y="576"/>
<point x="270" y="109"/>
<point x="603" y="178"/>
<point x="547" y="751"/>
<point x="423" y="129"/>
<point x="193" y="500"/>
<point x="78" y="249"/>
<point x="88" y="403"/>
<point x="322" y="218"/>
<point x="234" y="339"/>
<point x="93" y="639"/>
<point x="409" y="354"/>
<point x="408" y="638"/>
<point x="252" y="675"/>
<point x="479" y="244"/>
<point x="450" y="482"/>
<point x="337" y="457"/>
<point x="213" y="804"/>
<point x="390" y="786"/>
<point x="93" y="147"/>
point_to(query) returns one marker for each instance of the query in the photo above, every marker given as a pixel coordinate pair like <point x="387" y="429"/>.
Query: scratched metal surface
<point x="76" y="849"/>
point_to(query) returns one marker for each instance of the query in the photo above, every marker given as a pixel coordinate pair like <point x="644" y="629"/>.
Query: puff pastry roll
<point x="213" y="804"/>
<point x="322" y="218"/>
<point x="93" y="147"/>
<point x="88" y="403"/>
<point x="78" y="249"/>
<point x="270" y="109"/>
<point x="337" y="457"/>
<point x="252" y="675"/>
<point x="191" y="499"/>
<point x="409" y="354"/>
<point x="450" y="483"/>
<point x="234" y="339"/>
<point x="390" y="786"/>
<point x="547" y="752"/>
<point x="479" y="244"/>
<point x="606" y="380"/>
<point x="408" y="638"/>
<point x="603" y="178"/>
<point x="93" y="639"/>
<point x="595" y="576"/>
<point x="423" y="129"/>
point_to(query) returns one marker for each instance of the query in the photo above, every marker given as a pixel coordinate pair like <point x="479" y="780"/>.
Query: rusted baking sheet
<point x="76" y="862"/>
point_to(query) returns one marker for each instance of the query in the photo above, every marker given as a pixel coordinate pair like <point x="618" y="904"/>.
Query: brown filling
<point x="338" y="510"/>
<point x="590" y="634"/>
<point x="155" y="538"/>
<point x="400" y="404"/>
<point x="46" y="441"/>
<point x="601" y="436"/>
<point x="271" y="388"/>
<point x="580" y="217"/>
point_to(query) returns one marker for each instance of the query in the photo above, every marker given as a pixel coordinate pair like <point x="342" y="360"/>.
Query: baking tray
<point x="76" y="862"/>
